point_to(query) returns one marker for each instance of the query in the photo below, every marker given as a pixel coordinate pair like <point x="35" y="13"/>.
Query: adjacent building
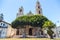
<point x="4" y="28"/>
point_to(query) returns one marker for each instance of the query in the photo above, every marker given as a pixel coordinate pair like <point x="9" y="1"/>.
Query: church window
<point x="17" y="33"/>
<point x="20" y="10"/>
<point x="1" y="23"/>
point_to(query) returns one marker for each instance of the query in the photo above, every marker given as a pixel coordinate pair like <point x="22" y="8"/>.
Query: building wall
<point x="3" y="32"/>
<point x="11" y="31"/>
<point x="3" y="29"/>
<point x="26" y="30"/>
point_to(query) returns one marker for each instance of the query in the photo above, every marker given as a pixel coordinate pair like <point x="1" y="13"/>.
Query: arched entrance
<point x="30" y="31"/>
<point x="17" y="33"/>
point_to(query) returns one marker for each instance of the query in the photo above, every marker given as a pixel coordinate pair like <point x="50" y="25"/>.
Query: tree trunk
<point x="51" y="36"/>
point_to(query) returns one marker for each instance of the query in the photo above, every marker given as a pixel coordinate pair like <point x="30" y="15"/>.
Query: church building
<point x="7" y="31"/>
<point x="29" y="30"/>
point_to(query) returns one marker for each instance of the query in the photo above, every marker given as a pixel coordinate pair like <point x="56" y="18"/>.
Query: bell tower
<point x="38" y="8"/>
<point x="20" y="12"/>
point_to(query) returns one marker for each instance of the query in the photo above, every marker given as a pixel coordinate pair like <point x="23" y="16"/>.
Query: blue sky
<point x="50" y="8"/>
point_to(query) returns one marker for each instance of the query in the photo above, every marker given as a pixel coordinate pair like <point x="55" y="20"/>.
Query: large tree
<point x="34" y="21"/>
<point x="37" y="20"/>
<point x="48" y="24"/>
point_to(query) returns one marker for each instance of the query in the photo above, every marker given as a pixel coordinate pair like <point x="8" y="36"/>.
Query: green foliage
<point x="34" y="21"/>
<point x="48" y="24"/>
<point x="37" y="20"/>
